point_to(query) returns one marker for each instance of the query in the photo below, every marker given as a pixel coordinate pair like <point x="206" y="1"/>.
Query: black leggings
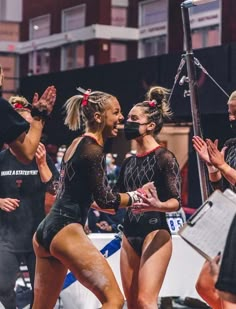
<point x="9" y="268"/>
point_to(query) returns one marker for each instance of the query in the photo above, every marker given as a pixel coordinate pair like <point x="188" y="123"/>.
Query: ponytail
<point x="73" y="112"/>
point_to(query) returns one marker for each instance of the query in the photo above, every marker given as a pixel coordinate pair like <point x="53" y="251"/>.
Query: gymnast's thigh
<point x="74" y="249"/>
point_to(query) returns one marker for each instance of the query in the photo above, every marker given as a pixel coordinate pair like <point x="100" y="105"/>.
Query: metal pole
<point x="193" y="88"/>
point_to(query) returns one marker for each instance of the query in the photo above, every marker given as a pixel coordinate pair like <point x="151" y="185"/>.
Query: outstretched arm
<point x="147" y="190"/>
<point x="25" y="145"/>
<point x="151" y="202"/>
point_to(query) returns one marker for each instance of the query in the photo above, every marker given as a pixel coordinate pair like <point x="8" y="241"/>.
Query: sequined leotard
<point x="82" y="181"/>
<point x="160" y="166"/>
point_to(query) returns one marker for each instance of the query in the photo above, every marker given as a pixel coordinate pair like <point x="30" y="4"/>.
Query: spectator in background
<point x="22" y="194"/>
<point x="100" y="222"/>
<point x="112" y="169"/>
<point x="60" y="154"/>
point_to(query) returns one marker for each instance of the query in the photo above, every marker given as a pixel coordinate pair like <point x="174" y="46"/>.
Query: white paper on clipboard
<point x="207" y="229"/>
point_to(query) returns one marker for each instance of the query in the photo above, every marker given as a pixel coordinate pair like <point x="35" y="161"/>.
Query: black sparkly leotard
<point x="82" y="181"/>
<point x="160" y="166"/>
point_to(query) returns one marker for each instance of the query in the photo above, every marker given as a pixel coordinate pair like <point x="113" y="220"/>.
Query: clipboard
<point x="207" y="229"/>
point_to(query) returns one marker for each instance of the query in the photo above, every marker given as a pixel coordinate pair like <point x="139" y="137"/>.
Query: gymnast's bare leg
<point x="72" y="249"/>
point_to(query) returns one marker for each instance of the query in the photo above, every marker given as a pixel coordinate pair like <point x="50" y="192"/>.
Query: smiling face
<point x="113" y="117"/>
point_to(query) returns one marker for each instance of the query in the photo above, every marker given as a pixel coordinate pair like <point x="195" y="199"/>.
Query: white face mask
<point x="108" y="160"/>
<point x="59" y="160"/>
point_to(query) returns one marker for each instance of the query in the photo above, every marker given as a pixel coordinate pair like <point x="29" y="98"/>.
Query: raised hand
<point x="47" y="100"/>
<point x="201" y="148"/>
<point x="9" y="204"/>
<point x="40" y="154"/>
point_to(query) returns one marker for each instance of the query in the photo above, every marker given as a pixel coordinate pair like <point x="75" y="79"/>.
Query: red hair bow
<point x="85" y="97"/>
<point x="18" y="105"/>
<point x="152" y="103"/>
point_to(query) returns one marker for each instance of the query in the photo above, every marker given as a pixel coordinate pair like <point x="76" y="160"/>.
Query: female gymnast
<point x="60" y="242"/>
<point x="147" y="246"/>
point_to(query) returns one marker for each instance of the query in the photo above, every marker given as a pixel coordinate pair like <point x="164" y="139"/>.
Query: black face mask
<point x="233" y="126"/>
<point x="131" y="129"/>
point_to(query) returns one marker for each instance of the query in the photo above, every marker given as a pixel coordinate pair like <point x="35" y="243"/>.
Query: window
<point x="205" y="23"/>
<point x="205" y="37"/>
<point x="39" y="62"/>
<point x="39" y="27"/>
<point x="152" y="12"/>
<point x="205" y="8"/>
<point x="154" y="46"/>
<point x="119" y="16"/>
<point x="9" y="66"/>
<point x="153" y="18"/>
<point x="73" y="56"/>
<point x="118" y="52"/>
<point x="73" y="18"/>
<point x="2" y="9"/>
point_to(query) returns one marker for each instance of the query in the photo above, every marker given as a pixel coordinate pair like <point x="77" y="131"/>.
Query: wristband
<point x="134" y="198"/>
<point x="212" y="169"/>
<point x="42" y="114"/>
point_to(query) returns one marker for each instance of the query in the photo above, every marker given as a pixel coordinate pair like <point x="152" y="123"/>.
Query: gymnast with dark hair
<point x="60" y="242"/>
<point x="147" y="245"/>
<point x="21" y="136"/>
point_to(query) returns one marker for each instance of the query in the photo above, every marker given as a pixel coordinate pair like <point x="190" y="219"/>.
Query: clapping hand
<point x="216" y="156"/>
<point x="201" y="148"/>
